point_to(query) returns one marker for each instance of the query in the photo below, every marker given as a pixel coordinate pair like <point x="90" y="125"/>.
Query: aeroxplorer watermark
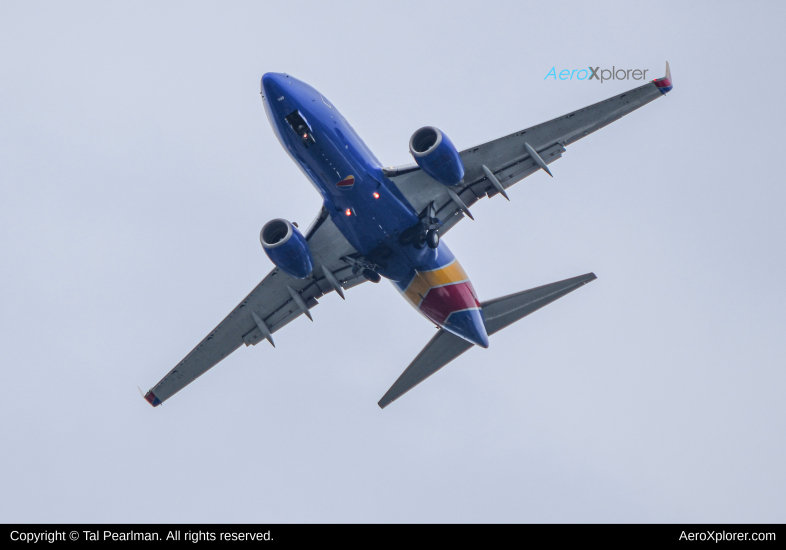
<point x="720" y="536"/>
<point x="601" y="75"/>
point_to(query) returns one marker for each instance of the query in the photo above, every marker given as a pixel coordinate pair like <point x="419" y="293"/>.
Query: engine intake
<point x="436" y="155"/>
<point x="287" y="248"/>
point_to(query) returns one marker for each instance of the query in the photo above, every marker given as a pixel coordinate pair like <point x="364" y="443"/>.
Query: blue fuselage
<point x="365" y="206"/>
<point x="333" y="152"/>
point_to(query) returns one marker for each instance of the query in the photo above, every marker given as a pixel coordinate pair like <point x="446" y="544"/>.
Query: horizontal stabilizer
<point x="499" y="313"/>
<point x="502" y="312"/>
<point x="443" y="348"/>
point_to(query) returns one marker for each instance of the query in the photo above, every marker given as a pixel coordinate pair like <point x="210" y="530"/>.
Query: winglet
<point x="664" y="84"/>
<point x="152" y="399"/>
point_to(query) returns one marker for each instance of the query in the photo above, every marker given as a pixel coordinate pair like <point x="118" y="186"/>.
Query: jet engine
<point x="287" y="248"/>
<point x="436" y="155"/>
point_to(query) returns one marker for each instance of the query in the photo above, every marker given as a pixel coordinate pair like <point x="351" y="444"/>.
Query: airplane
<point x="390" y="222"/>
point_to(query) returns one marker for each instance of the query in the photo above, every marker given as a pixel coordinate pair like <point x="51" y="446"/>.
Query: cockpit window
<point x="299" y="124"/>
<point x="301" y="127"/>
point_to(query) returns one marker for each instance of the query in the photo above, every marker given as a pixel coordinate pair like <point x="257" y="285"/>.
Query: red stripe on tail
<point x="441" y="301"/>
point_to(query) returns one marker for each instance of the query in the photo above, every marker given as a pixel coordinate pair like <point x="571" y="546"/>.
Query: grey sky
<point x="137" y="168"/>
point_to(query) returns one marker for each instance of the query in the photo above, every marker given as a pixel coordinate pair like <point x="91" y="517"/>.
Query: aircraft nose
<point x="271" y="83"/>
<point x="469" y="325"/>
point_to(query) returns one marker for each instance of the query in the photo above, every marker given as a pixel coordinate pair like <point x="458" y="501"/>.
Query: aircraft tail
<point x="498" y="313"/>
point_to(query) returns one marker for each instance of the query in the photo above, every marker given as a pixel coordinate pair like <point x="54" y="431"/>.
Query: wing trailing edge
<point x="498" y="313"/>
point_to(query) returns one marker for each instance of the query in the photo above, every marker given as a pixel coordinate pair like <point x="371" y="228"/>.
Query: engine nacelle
<point x="436" y="155"/>
<point x="287" y="248"/>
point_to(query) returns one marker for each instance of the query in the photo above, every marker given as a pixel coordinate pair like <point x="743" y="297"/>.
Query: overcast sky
<point x="137" y="168"/>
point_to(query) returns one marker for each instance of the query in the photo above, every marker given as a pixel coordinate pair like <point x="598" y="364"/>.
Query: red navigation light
<point x="305" y="136"/>
<point x="348" y="211"/>
<point x="375" y="195"/>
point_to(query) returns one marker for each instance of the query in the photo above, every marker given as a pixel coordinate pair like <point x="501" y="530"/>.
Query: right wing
<point x="509" y="158"/>
<point x="272" y="303"/>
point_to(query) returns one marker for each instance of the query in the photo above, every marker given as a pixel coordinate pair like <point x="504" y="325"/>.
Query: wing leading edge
<point x="512" y="158"/>
<point x="275" y="302"/>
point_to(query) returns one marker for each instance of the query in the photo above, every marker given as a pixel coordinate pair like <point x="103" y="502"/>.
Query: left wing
<point x="512" y="158"/>
<point x="273" y="304"/>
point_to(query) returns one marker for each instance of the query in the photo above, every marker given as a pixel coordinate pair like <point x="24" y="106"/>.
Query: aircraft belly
<point x="373" y="219"/>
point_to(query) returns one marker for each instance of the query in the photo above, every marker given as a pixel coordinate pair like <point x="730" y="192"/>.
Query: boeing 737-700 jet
<point x="390" y="222"/>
